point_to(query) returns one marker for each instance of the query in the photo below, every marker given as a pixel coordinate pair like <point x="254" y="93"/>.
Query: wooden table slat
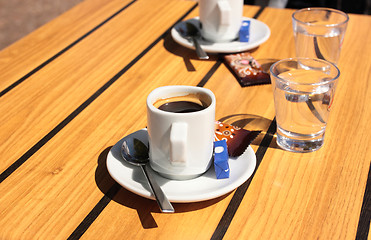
<point x="94" y="94"/>
<point x="69" y="84"/>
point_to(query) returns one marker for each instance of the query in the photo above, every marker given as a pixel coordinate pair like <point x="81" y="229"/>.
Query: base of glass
<point x="300" y="143"/>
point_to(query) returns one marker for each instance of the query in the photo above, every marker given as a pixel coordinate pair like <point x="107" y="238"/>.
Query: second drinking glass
<point x="319" y="33"/>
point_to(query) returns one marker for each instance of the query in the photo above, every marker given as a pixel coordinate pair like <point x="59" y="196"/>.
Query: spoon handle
<point x="161" y="199"/>
<point x="200" y="52"/>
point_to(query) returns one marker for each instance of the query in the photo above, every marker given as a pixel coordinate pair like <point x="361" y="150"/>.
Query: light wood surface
<point x="58" y="124"/>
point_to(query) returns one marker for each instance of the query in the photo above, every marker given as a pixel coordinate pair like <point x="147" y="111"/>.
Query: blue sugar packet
<point x="221" y="159"/>
<point x="245" y="31"/>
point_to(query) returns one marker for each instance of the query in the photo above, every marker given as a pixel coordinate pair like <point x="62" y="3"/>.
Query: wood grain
<point x="63" y="189"/>
<point x="53" y="93"/>
<point x="26" y="54"/>
<point x="68" y="177"/>
<point x="316" y="195"/>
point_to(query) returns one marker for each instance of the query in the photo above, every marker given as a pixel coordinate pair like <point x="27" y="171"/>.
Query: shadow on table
<point x="190" y="54"/>
<point x="252" y="123"/>
<point x="186" y="53"/>
<point x="144" y="207"/>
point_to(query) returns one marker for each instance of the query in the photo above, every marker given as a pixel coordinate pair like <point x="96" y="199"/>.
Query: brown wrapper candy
<point x="246" y="69"/>
<point x="238" y="139"/>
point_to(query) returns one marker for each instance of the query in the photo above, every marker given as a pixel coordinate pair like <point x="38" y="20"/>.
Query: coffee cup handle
<point x="178" y="140"/>
<point x="225" y="12"/>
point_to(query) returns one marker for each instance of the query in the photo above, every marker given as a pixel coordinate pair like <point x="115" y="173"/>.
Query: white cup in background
<point x="220" y="19"/>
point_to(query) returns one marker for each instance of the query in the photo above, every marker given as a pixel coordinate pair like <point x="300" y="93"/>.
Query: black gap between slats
<point x="15" y="84"/>
<point x="94" y="213"/>
<point x="210" y="73"/>
<point x="365" y="216"/>
<point x="235" y="202"/>
<point x="90" y="218"/>
<point x="99" y="207"/>
<point x="78" y="110"/>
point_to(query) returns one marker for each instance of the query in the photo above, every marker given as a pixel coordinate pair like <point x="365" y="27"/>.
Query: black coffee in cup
<point x="181" y="107"/>
<point x="181" y="104"/>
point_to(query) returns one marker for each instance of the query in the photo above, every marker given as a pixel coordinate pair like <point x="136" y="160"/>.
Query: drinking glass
<point x="303" y="90"/>
<point x="319" y="33"/>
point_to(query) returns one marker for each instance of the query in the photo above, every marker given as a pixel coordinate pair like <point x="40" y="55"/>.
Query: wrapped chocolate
<point x="238" y="139"/>
<point x="246" y="69"/>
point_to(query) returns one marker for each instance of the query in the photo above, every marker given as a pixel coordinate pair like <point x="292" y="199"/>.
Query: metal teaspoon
<point x="136" y="153"/>
<point x="192" y="32"/>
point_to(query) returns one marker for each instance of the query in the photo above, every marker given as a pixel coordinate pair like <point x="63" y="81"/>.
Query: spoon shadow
<point x="143" y="206"/>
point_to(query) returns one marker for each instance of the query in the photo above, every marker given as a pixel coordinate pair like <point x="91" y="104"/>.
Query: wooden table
<point x="76" y="86"/>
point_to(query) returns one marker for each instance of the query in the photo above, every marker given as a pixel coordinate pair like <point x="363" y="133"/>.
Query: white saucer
<point x="259" y="33"/>
<point x="202" y="188"/>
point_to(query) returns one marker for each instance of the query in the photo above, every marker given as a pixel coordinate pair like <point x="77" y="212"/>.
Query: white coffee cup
<point x="181" y="144"/>
<point x="220" y="19"/>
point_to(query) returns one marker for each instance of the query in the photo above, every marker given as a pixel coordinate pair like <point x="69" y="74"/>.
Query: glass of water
<point x="319" y="33"/>
<point x="303" y="90"/>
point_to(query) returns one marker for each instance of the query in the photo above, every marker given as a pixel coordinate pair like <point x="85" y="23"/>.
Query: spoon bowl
<point x="136" y="153"/>
<point x="191" y="32"/>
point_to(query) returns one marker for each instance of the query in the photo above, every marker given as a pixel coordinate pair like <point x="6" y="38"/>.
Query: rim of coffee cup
<point x="152" y="97"/>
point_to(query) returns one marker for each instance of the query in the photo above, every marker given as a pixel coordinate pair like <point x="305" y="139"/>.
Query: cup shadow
<point x="143" y="206"/>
